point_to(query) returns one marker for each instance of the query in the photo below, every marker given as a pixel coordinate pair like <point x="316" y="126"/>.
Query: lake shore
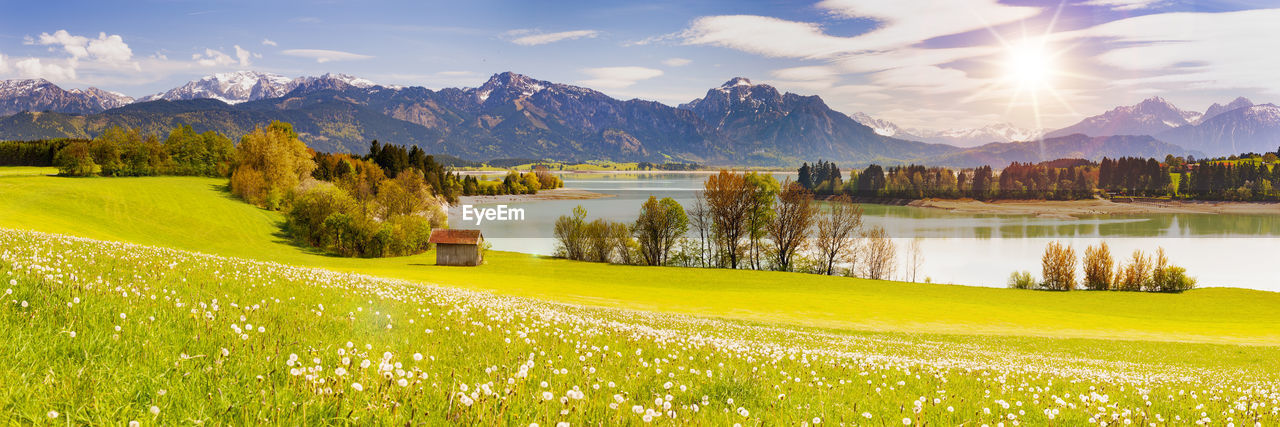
<point x="1075" y="208"/>
<point x="556" y="194"/>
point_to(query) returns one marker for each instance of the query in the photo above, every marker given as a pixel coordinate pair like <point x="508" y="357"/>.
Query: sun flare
<point x="1029" y="65"/>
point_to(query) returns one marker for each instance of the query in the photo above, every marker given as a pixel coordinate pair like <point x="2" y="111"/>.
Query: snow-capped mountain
<point x="242" y="86"/>
<point x="1217" y="108"/>
<point x="40" y="95"/>
<point x="232" y="88"/>
<point x="1149" y="117"/>
<point x="1254" y="128"/>
<point x="882" y="127"/>
<point x="961" y="137"/>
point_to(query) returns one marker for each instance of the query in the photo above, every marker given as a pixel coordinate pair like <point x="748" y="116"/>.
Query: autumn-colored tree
<point x="1098" y="265"/>
<point x="837" y="231"/>
<point x="791" y="223"/>
<point x="1133" y="276"/>
<point x="1059" y="267"/>
<point x="269" y="163"/>
<point x="729" y="201"/>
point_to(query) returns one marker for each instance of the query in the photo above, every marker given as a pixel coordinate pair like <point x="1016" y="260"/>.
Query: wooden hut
<point x="458" y="247"/>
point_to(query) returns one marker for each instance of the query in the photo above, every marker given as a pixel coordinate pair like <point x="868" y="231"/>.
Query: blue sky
<point x="921" y="63"/>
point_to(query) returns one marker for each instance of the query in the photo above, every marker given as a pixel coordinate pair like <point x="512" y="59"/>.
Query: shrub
<point x="1022" y="280"/>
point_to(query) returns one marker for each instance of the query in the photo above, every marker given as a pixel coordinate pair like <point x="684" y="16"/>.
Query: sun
<point x="1029" y="65"/>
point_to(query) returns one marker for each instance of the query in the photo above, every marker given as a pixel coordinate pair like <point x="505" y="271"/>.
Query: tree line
<point x="1248" y="177"/>
<point x="1101" y="271"/>
<point x="127" y="152"/>
<point x="740" y="220"/>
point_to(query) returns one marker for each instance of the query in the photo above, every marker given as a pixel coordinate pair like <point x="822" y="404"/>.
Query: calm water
<point x="1220" y="250"/>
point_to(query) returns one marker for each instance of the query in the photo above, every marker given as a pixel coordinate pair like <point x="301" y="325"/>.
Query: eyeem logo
<point x="498" y="213"/>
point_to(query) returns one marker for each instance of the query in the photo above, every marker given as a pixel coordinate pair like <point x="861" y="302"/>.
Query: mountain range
<point x="516" y="116"/>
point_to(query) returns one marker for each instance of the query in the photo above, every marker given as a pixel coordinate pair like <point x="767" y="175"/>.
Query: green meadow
<point x="208" y="314"/>
<point x="198" y="214"/>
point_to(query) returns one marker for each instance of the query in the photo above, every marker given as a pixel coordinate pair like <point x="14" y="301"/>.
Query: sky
<point x="919" y="63"/>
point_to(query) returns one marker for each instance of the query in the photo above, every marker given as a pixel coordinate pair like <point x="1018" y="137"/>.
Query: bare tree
<point x="791" y="223"/>
<point x="700" y="219"/>
<point x="836" y="231"/>
<point x="915" y="258"/>
<point x="879" y="259"/>
<point x="729" y="199"/>
<point x="1059" y="267"/>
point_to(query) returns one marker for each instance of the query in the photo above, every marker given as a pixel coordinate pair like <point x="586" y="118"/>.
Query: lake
<point x="972" y="249"/>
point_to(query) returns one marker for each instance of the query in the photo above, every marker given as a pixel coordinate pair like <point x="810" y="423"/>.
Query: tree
<point x="1133" y="276"/>
<point x="570" y="234"/>
<point x="75" y="160"/>
<point x="729" y="201"/>
<point x="271" y="162"/>
<point x="1098" y="265"/>
<point x="700" y="219"/>
<point x="659" y="227"/>
<point x="879" y="259"/>
<point x="1059" y="267"/>
<point x="764" y="190"/>
<point x="791" y="225"/>
<point x="836" y="231"/>
<point x="915" y="258"/>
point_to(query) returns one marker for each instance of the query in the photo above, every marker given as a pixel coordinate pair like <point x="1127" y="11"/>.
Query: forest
<point x="1245" y="177"/>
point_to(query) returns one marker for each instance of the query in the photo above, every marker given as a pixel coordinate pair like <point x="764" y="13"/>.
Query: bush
<point x="75" y="160"/>
<point x="1022" y="280"/>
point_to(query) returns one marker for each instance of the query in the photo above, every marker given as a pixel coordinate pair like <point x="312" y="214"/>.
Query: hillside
<point x="197" y="214"/>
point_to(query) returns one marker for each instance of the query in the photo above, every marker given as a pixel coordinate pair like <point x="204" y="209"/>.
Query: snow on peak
<point x="736" y="81"/>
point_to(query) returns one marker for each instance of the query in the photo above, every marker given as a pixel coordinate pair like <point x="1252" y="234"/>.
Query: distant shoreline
<point x="556" y="194"/>
<point x="1069" y="209"/>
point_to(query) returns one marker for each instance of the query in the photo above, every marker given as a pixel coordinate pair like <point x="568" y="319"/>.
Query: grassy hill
<point x="103" y="332"/>
<point x="197" y="214"/>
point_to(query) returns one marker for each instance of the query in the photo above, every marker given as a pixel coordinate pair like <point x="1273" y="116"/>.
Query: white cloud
<point x="243" y="56"/>
<point x="33" y="68"/>
<point x="534" y="38"/>
<point x="214" y="58"/>
<point x="906" y="22"/>
<point x="456" y="73"/>
<point x="676" y="62"/>
<point x="325" y="55"/>
<point x="1207" y="50"/>
<point x="902" y="23"/>
<point x="1124" y="5"/>
<point x="617" y="77"/>
<point x="4" y="64"/>
<point x="269" y="42"/>
<point x="110" y="49"/>
<point x="806" y="73"/>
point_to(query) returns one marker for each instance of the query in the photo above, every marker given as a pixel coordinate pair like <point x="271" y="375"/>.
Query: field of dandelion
<point x="103" y="332"/>
<point x="106" y="332"/>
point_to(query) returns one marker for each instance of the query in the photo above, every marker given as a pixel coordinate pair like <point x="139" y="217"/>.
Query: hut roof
<point x="456" y="237"/>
